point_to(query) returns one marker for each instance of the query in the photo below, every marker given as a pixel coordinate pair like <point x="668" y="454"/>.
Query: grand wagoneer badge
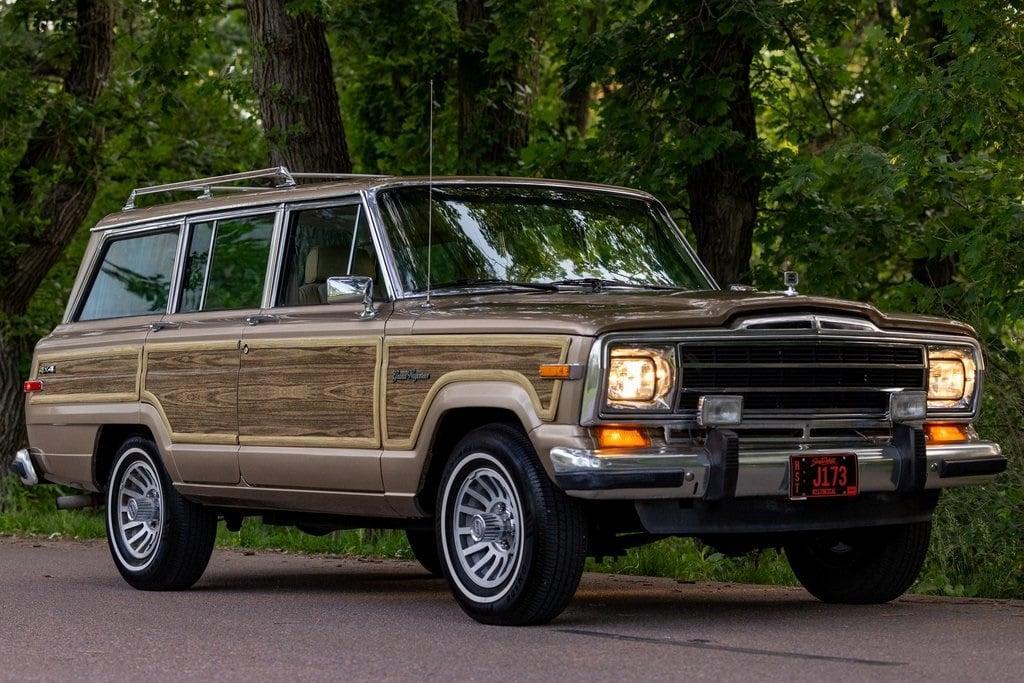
<point x="408" y="375"/>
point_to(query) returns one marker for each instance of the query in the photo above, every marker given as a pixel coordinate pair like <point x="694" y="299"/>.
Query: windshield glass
<point x="534" y="235"/>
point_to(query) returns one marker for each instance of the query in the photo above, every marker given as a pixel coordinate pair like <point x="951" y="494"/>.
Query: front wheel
<point x="861" y="566"/>
<point x="512" y="544"/>
<point x="158" y="539"/>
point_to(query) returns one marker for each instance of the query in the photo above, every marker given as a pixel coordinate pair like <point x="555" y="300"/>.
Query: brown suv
<point x="519" y="373"/>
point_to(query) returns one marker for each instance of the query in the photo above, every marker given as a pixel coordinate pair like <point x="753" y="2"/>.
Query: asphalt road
<point x="66" y="614"/>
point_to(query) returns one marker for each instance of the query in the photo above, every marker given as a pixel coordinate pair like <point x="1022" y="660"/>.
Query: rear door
<point x="307" y="389"/>
<point x="192" y="360"/>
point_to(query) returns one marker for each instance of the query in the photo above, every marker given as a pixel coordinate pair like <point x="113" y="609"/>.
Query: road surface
<point x="66" y="614"/>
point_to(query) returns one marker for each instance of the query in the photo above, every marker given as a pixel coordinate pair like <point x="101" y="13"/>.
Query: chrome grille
<point x="801" y="377"/>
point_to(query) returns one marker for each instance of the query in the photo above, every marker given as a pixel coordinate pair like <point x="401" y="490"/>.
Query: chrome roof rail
<point x="205" y="186"/>
<point x="339" y="176"/>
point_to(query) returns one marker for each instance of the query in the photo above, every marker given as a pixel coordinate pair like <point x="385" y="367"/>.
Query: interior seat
<point x="321" y="263"/>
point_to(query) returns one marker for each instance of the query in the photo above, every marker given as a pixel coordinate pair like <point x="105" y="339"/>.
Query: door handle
<point x="260" y="318"/>
<point x="163" y="325"/>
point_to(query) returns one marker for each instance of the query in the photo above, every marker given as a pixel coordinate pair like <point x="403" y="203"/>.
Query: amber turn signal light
<point x="945" y="432"/>
<point x="560" y="371"/>
<point x="33" y="385"/>
<point x="622" y="437"/>
<point x="555" y="371"/>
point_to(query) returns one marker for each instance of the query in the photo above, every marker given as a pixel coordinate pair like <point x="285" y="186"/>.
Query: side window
<point x="226" y="264"/>
<point x="134" y="277"/>
<point x="320" y="245"/>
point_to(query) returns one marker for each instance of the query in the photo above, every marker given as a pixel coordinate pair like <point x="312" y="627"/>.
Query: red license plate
<point x="822" y="476"/>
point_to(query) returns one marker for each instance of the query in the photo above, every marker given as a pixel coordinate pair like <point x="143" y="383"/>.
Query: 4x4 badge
<point x="47" y="369"/>
<point x="408" y="375"/>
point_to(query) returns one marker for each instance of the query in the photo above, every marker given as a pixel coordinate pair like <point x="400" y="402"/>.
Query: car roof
<point x="312" y="191"/>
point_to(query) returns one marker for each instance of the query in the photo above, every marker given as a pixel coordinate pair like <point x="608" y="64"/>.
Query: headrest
<point x="325" y="262"/>
<point x="364" y="263"/>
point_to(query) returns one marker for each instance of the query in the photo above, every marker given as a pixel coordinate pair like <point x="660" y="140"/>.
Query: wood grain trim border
<point x="148" y="397"/>
<point x="547" y="414"/>
<point x="89" y="397"/>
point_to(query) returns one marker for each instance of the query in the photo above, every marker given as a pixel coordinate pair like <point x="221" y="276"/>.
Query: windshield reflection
<point x="534" y="234"/>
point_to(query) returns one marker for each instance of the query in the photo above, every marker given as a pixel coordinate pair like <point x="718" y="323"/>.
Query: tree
<point x="724" y="189"/>
<point x="293" y="77"/>
<point x="496" y="82"/>
<point x="51" y="189"/>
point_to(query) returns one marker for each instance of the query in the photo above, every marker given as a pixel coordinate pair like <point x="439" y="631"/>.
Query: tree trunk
<point x="294" y="79"/>
<point x="493" y="97"/>
<point x="723" y="191"/>
<point x="576" y="93"/>
<point x="65" y="146"/>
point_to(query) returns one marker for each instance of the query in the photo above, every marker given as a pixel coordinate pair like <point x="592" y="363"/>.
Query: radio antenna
<point x="430" y="192"/>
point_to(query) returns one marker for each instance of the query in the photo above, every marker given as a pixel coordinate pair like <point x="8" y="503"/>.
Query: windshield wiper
<point x="490" y="282"/>
<point x="597" y="284"/>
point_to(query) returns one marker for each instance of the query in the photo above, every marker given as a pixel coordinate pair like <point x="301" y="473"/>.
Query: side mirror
<point x="352" y="289"/>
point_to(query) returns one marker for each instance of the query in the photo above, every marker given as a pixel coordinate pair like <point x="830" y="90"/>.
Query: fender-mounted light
<point x="946" y="432"/>
<point x="31" y="386"/>
<point x="622" y="437"/>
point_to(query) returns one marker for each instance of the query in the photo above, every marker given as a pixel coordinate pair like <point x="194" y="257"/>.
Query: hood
<point x="588" y="313"/>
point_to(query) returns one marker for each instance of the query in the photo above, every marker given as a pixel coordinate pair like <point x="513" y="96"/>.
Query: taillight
<point x="33" y="385"/>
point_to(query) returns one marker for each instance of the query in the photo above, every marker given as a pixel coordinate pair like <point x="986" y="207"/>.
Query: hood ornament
<point x="791" y="279"/>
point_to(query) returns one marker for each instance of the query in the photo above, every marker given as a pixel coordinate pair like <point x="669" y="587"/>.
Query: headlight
<point x="640" y="378"/>
<point x="952" y="373"/>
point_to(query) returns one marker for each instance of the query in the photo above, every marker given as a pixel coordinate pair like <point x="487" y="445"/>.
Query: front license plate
<point x="822" y="476"/>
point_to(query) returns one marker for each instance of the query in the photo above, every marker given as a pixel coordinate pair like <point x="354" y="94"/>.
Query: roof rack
<point x="206" y="186"/>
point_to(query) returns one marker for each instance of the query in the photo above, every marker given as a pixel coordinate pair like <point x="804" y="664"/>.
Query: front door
<point x="192" y="360"/>
<point x="307" y="388"/>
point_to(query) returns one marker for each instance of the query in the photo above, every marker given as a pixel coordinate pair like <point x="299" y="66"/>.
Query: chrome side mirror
<point x="352" y="289"/>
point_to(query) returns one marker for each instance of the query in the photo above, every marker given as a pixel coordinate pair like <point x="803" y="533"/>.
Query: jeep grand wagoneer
<point x="519" y="373"/>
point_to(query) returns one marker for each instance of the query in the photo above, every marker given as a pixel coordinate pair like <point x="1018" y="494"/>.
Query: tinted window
<point x="226" y="264"/>
<point x="134" y="277"/>
<point x="319" y="246"/>
<point x="534" y="234"/>
<point x="194" y="275"/>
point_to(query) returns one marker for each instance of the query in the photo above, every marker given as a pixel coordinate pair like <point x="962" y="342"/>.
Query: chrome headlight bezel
<point x="957" y="357"/>
<point x="658" y="363"/>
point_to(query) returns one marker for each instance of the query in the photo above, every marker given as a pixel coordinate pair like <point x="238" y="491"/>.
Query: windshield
<point x="507" y="233"/>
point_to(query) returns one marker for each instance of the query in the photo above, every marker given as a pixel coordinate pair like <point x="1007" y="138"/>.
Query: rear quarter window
<point x="133" y="278"/>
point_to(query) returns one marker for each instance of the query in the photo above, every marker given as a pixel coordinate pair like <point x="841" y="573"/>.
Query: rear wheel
<point x="424" y="548"/>
<point x="159" y="540"/>
<point x="513" y="545"/>
<point x="861" y="566"/>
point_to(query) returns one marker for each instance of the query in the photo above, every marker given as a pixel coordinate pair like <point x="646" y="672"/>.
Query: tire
<point x="424" y="548"/>
<point x="861" y="566"/>
<point x="530" y="536"/>
<point x="175" y="535"/>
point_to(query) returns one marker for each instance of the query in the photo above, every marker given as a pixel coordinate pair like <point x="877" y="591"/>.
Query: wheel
<point x="159" y="540"/>
<point x="424" y="548"/>
<point x="512" y="544"/>
<point x="861" y="566"/>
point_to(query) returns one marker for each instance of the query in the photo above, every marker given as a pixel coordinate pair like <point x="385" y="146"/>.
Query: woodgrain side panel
<point x="195" y="389"/>
<point x="315" y="395"/>
<point x="102" y="374"/>
<point x="405" y="400"/>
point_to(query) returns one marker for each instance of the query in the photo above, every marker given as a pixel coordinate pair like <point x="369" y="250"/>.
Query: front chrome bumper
<point x="762" y="472"/>
<point x="22" y="466"/>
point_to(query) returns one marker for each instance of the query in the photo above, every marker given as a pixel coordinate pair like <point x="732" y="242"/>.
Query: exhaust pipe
<point x="23" y="467"/>
<point x="79" y="502"/>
